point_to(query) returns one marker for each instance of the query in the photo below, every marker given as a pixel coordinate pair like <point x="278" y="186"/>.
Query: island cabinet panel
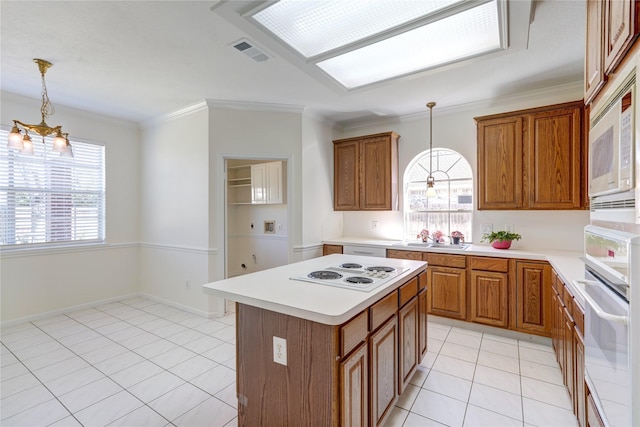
<point x="354" y="333"/>
<point x="354" y="387"/>
<point x="533" y="297"/>
<point x="307" y="388"/>
<point x="423" y="278"/>
<point x="408" y="318"/>
<point x="489" y="298"/>
<point x="384" y="372"/>
<point x="382" y="310"/>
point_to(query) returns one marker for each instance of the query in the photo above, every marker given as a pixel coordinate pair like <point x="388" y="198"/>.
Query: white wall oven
<point x="611" y="292"/>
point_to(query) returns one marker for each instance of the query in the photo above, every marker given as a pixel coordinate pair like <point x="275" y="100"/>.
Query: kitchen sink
<point x="439" y="246"/>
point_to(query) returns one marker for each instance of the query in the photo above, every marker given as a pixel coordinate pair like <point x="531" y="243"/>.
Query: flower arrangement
<point x="438" y="236"/>
<point x="424" y="235"/>
<point x="457" y="237"/>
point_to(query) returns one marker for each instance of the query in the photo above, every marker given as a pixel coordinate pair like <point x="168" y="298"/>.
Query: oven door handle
<point x="596" y="307"/>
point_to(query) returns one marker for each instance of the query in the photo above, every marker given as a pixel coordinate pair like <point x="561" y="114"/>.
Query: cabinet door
<point x="354" y="388"/>
<point x="579" y="389"/>
<point x="384" y="371"/>
<point x="274" y="184"/>
<point x="593" y="62"/>
<point x="346" y="178"/>
<point x="555" y="154"/>
<point x="620" y="30"/>
<point x="258" y="182"/>
<point x="331" y="249"/>
<point x="446" y="292"/>
<point x="409" y="343"/>
<point x="376" y="171"/>
<point x="489" y="298"/>
<point x="533" y="297"/>
<point x="500" y="163"/>
<point x="568" y="353"/>
<point x="422" y="324"/>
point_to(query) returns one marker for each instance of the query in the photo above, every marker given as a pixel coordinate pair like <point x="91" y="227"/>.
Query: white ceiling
<point x="140" y="59"/>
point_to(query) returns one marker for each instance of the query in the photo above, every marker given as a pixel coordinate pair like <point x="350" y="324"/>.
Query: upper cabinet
<point x="260" y="183"/>
<point x="532" y="159"/>
<point x="366" y="172"/>
<point x="612" y="27"/>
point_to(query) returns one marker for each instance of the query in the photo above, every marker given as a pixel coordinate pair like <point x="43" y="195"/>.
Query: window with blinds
<point x="49" y="200"/>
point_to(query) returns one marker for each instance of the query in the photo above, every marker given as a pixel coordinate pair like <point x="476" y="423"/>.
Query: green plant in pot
<point x="500" y="239"/>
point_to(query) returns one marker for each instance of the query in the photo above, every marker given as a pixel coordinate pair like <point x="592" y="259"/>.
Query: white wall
<point x="319" y="220"/>
<point x="455" y="129"/>
<point x="45" y="281"/>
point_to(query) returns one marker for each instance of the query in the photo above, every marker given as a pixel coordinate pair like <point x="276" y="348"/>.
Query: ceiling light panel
<point x="459" y="36"/>
<point x="316" y="27"/>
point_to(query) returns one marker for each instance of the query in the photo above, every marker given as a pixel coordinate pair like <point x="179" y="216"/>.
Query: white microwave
<point x="611" y="143"/>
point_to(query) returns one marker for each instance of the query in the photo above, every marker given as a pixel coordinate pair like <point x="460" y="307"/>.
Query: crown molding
<point x="255" y="106"/>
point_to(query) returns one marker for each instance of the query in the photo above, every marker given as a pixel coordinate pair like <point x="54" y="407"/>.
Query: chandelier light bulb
<point x="27" y="145"/>
<point x="15" y="138"/>
<point x="59" y="143"/>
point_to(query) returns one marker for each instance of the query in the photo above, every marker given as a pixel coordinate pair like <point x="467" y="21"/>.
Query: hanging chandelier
<point x="23" y="142"/>
<point x="431" y="192"/>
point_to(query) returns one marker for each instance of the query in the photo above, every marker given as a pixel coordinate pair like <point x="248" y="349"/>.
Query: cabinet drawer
<point x="422" y="280"/>
<point x="354" y="332"/>
<point x="489" y="264"/>
<point x="394" y="253"/>
<point x="331" y="249"/>
<point x="567" y="298"/>
<point x="408" y="291"/>
<point x="457" y="261"/>
<point x="382" y="310"/>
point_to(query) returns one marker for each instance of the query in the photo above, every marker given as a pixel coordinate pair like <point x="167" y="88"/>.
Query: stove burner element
<point x="324" y="275"/>
<point x="350" y="265"/>
<point x="359" y="280"/>
<point x="383" y="269"/>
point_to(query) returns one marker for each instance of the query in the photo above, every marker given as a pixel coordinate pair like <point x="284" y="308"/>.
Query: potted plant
<point x="500" y="239"/>
<point x="457" y="237"/>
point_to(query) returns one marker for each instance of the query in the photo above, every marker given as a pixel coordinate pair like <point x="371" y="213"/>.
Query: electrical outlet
<point x="280" y="350"/>
<point x="486" y="228"/>
<point x="374" y="225"/>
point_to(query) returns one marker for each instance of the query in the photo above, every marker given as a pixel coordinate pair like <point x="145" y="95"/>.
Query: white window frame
<point x="63" y="198"/>
<point x="443" y="187"/>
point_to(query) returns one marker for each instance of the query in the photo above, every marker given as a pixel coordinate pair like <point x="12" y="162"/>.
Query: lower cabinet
<point x="489" y="291"/>
<point x="422" y="315"/>
<point x="533" y="297"/>
<point x="354" y="388"/>
<point x="331" y="249"/>
<point x="384" y="371"/>
<point x="567" y="325"/>
<point x="447" y="292"/>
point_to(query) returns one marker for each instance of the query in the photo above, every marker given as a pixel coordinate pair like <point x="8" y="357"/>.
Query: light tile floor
<point x="137" y="362"/>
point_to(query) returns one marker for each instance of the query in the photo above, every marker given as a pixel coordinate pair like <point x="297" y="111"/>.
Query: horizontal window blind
<point x="49" y="200"/>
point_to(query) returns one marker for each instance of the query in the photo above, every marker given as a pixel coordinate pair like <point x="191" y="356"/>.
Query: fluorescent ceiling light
<point x="460" y="36"/>
<point x="360" y="42"/>
<point x="315" y="27"/>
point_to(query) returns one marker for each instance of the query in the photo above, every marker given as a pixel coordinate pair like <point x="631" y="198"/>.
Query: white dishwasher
<point x="364" y="250"/>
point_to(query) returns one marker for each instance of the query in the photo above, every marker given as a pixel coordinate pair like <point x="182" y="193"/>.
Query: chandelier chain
<point x="47" y="108"/>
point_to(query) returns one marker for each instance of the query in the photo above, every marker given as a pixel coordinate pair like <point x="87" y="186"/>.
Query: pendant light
<point x="431" y="192"/>
<point x="23" y="143"/>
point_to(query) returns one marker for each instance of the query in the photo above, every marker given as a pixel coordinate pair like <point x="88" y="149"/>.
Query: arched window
<point x="452" y="207"/>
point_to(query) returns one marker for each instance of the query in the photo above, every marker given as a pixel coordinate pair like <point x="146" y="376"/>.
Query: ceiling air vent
<point x="247" y="47"/>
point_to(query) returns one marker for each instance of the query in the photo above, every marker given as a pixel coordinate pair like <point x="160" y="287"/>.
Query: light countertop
<point x="567" y="264"/>
<point x="273" y="289"/>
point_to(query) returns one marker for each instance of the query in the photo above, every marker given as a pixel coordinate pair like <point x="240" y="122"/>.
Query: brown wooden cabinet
<point x="331" y="249"/>
<point x="447" y="286"/>
<point x="532" y="159"/>
<point x="384" y="372"/>
<point x="568" y="342"/>
<point x="408" y="324"/>
<point x="488" y="291"/>
<point x="414" y="255"/>
<point x="422" y="315"/>
<point x="366" y="172"/>
<point x="611" y="30"/>
<point x="533" y="297"/>
<point x="354" y="388"/>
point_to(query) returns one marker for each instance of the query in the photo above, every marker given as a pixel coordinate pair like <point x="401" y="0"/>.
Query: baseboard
<point x="207" y="314"/>
<point x="13" y="322"/>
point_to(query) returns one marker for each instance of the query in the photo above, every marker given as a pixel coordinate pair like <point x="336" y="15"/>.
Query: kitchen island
<point x="315" y="354"/>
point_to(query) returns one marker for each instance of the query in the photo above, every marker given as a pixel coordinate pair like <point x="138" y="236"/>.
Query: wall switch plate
<point x="280" y="350"/>
<point x="270" y="227"/>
